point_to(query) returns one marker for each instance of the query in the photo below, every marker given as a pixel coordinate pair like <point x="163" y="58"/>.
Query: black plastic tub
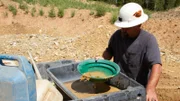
<point x="43" y="66"/>
<point x="130" y="90"/>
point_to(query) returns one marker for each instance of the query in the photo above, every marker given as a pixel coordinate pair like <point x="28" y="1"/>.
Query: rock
<point x="100" y="26"/>
<point x="36" y="59"/>
<point x="1" y="3"/>
<point x="13" y="44"/>
<point x="56" y="43"/>
<point x="40" y="31"/>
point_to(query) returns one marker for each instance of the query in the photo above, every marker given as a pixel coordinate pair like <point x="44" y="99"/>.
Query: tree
<point x="177" y="3"/>
<point x="150" y="4"/>
<point x="169" y="4"/>
<point x="159" y="5"/>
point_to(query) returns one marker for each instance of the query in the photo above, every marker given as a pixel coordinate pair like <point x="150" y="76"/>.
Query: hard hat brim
<point x="127" y="24"/>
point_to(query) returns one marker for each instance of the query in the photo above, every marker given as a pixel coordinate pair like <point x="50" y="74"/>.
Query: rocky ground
<point x="84" y="36"/>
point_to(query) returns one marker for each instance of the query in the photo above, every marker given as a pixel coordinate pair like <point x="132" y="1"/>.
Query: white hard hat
<point x="131" y="14"/>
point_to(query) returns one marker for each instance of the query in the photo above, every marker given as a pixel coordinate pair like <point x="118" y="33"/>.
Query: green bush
<point x="31" y="1"/>
<point x="91" y="13"/>
<point x="44" y="2"/>
<point x="113" y="18"/>
<point x="72" y="13"/>
<point x="100" y="11"/>
<point x="148" y="12"/>
<point x="23" y="6"/>
<point x="19" y="1"/>
<point x="60" y="13"/>
<point x="32" y="14"/>
<point x="52" y="13"/>
<point x="33" y="11"/>
<point x="41" y="12"/>
<point x="107" y="1"/>
<point x="12" y="9"/>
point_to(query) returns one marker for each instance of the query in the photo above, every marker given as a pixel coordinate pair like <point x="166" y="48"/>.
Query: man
<point x="135" y="50"/>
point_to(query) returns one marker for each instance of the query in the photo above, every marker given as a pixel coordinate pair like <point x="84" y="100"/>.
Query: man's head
<point x="130" y="15"/>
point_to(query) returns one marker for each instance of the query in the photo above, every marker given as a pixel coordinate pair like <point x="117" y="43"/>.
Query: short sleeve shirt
<point x="135" y="56"/>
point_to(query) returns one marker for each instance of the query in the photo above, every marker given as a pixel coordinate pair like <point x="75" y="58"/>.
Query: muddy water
<point x="84" y="89"/>
<point x="94" y="74"/>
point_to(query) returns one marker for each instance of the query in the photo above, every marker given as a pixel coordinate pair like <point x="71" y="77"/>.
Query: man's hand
<point x="152" y="83"/>
<point x="151" y="95"/>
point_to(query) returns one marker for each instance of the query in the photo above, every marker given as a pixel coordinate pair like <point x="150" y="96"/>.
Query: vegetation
<point x="169" y="4"/>
<point x="19" y="1"/>
<point x="113" y="18"/>
<point x="60" y="13"/>
<point x="33" y="11"/>
<point x="91" y="13"/>
<point x="100" y="11"/>
<point x="12" y="9"/>
<point x="177" y="3"/>
<point x="5" y="14"/>
<point x="52" y="13"/>
<point x="31" y="1"/>
<point x="70" y="4"/>
<point x="41" y="12"/>
<point x="148" y="4"/>
<point x="24" y="7"/>
<point x="159" y="5"/>
<point x="99" y="8"/>
<point x="72" y="13"/>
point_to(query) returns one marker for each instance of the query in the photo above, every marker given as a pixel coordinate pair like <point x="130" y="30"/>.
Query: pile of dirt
<point x="84" y="36"/>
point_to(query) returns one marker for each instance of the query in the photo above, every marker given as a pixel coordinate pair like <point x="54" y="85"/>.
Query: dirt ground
<point x="84" y="36"/>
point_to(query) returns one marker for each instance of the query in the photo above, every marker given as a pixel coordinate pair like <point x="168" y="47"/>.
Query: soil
<point x="86" y="36"/>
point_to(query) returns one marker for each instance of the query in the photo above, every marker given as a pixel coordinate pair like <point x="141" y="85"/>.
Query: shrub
<point x="91" y="13"/>
<point x="113" y="18"/>
<point x="33" y="11"/>
<point x="72" y="13"/>
<point x="23" y="6"/>
<point x="12" y="9"/>
<point x="44" y="2"/>
<point x="19" y="1"/>
<point x="41" y="12"/>
<point x="52" y="13"/>
<point x="60" y="13"/>
<point x="31" y="1"/>
<point x="100" y="11"/>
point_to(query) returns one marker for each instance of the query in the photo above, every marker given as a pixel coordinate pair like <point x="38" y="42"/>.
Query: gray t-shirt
<point x="135" y="56"/>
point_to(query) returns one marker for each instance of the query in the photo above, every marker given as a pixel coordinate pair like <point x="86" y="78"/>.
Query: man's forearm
<point x="154" y="77"/>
